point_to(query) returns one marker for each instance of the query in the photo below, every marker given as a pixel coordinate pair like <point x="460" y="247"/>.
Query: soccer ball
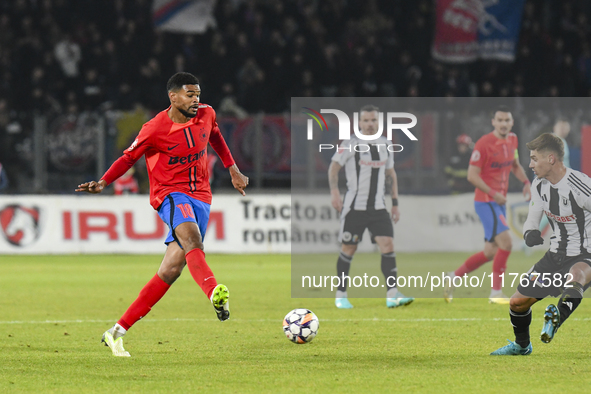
<point x="300" y="325"/>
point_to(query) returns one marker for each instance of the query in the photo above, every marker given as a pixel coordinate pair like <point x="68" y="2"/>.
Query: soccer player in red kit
<point x="493" y="158"/>
<point x="174" y="143"/>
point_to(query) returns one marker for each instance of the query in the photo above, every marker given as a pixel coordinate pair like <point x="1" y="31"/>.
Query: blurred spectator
<point x="128" y="125"/>
<point x="68" y="54"/>
<point x="228" y="106"/>
<point x="3" y="178"/>
<point x="92" y="92"/>
<point x="561" y="130"/>
<point x="251" y="88"/>
<point x="212" y="159"/>
<point x="457" y="169"/>
<point x="271" y="51"/>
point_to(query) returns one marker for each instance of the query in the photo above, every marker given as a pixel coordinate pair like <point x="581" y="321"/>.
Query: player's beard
<point x="187" y="113"/>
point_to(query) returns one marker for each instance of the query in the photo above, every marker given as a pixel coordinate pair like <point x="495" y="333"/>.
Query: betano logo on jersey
<point x="186" y="159"/>
<point x="345" y="128"/>
<point x="503" y="164"/>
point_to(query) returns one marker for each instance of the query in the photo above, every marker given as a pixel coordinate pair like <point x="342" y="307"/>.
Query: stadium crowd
<point x="73" y="55"/>
<point x="70" y="56"/>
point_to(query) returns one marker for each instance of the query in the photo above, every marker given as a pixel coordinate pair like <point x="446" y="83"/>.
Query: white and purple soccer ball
<point x="300" y="325"/>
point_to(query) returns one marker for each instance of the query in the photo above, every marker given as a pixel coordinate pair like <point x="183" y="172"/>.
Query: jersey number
<point x="186" y="210"/>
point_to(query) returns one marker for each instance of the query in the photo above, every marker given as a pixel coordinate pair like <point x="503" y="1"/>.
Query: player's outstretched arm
<point x="93" y="187"/>
<point x="118" y="168"/>
<point x="239" y="180"/>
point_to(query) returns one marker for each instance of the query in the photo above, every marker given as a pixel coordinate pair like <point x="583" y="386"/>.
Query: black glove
<point x="533" y="238"/>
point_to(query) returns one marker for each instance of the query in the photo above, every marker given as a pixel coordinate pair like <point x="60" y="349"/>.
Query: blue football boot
<point x="513" y="349"/>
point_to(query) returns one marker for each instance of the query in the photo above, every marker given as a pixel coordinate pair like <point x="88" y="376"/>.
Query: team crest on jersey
<point x="203" y="134"/>
<point x="564" y="201"/>
<point x="535" y="276"/>
<point x="20" y="224"/>
<point x="475" y="156"/>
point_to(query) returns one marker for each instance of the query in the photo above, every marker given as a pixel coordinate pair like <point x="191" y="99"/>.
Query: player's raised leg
<point x="170" y="269"/>
<point x="520" y="315"/>
<point x="187" y="218"/>
<point x="556" y="315"/>
<point x="189" y="236"/>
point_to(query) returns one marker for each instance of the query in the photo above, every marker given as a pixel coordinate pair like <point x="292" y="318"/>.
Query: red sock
<point x="499" y="266"/>
<point x="149" y="296"/>
<point x="200" y="271"/>
<point x="473" y="262"/>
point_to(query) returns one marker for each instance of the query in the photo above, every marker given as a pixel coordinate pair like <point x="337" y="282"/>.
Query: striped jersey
<point x="365" y="165"/>
<point x="176" y="154"/>
<point x="567" y="204"/>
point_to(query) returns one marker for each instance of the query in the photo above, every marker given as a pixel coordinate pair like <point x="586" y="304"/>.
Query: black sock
<point x="521" y="322"/>
<point x="343" y="266"/>
<point x="389" y="268"/>
<point x="569" y="301"/>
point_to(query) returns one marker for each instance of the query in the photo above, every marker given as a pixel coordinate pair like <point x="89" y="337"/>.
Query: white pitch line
<point x="417" y="320"/>
<point x="241" y="320"/>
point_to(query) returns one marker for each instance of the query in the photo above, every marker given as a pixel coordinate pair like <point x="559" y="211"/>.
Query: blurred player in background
<point x="126" y="183"/>
<point x="564" y="195"/>
<point x="175" y="145"/>
<point x="494" y="157"/>
<point x="365" y="207"/>
<point x="457" y="168"/>
<point x="3" y="178"/>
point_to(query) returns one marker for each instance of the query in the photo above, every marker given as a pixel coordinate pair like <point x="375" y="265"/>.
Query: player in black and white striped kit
<point x="367" y="166"/>
<point x="564" y="195"/>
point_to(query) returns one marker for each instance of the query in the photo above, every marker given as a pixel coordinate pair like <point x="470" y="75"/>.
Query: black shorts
<point x="354" y="223"/>
<point x="556" y="267"/>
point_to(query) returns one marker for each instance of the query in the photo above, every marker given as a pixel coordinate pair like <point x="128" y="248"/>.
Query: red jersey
<point x="126" y="184"/>
<point x="495" y="158"/>
<point x="176" y="155"/>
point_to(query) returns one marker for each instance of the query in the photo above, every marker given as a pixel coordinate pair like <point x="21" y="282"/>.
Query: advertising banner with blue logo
<point x="466" y="30"/>
<point x="498" y="29"/>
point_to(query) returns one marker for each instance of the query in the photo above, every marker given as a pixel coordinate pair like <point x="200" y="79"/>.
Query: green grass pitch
<point x="53" y="310"/>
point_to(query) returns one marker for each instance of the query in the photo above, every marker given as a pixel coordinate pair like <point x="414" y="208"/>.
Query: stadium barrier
<point x="52" y="224"/>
